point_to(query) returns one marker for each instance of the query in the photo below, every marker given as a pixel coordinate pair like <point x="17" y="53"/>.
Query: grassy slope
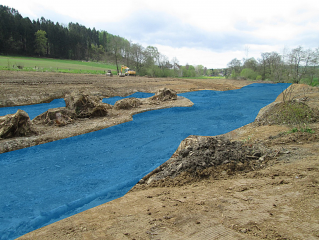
<point x="53" y="65"/>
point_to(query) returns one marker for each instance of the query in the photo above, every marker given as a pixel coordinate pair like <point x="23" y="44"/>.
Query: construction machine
<point x="109" y="73"/>
<point x="125" y="71"/>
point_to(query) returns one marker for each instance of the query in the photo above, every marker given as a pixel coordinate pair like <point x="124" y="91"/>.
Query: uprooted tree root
<point x="86" y="106"/>
<point x="78" y="105"/>
<point x="127" y="103"/>
<point x="58" y="116"/>
<point x="16" y="125"/>
<point x="164" y="94"/>
<point x="208" y="157"/>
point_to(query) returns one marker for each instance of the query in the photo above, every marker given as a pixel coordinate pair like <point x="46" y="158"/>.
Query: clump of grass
<point x="303" y="129"/>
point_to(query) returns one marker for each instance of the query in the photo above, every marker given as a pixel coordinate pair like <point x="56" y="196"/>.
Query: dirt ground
<point x="23" y="88"/>
<point x="278" y="199"/>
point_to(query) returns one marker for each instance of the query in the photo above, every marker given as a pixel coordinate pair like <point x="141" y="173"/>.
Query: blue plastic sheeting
<point x="52" y="181"/>
<point x="33" y="110"/>
<point x="112" y="100"/>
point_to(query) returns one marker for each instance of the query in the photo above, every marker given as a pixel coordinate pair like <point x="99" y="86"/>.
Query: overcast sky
<point x="210" y="33"/>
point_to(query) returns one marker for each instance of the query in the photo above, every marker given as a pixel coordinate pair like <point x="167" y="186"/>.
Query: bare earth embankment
<point x="272" y="195"/>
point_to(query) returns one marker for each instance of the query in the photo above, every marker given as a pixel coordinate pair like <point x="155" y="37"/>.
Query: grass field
<point x="205" y="77"/>
<point x="53" y="65"/>
<point x="315" y="81"/>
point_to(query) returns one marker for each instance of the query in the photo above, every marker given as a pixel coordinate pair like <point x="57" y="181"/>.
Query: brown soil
<point x="22" y="88"/>
<point x="275" y="197"/>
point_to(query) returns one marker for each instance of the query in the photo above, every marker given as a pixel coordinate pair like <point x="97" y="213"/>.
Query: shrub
<point x="248" y="74"/>
<point x="233" y="74"/>
<point x="259" y="77"/>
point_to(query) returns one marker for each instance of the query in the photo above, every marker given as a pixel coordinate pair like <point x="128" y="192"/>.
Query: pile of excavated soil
<point x="200" y="157"/>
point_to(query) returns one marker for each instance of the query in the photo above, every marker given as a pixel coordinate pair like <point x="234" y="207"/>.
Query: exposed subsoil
<point x="256" y="182"/>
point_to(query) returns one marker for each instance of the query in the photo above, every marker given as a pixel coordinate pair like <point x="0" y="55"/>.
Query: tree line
<point x="42" y="37"/>
<point x="293" y="66"/>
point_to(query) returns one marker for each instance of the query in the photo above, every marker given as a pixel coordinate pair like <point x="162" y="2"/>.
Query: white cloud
<point x="200" y="56"/>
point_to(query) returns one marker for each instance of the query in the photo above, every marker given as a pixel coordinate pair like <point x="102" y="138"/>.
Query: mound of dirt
<point x="199" y="157"/>
<point x="165" y="94"/>
<point x="16" y="125"/>
<point x="127" y="103"/>
<point x="287" y="113"/>
<point x="86" y="106"/>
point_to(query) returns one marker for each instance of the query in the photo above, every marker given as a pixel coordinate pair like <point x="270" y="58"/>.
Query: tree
<point x="96" y="52"/>
<point x="278" y="68"/>
<point x="313" y="70"/>
<point x="234" y="67"/>
<point x="116" y="47"/>
<point x="199" y="70"/>
<point x="272" y="67"/>
<point x="151" y="56"/>
<point x="176" y="66"/>
<point x="188" y="71"/>
<point x="248" y="73"/>
<point x="137" y="55"/>
<point x="262" y="62"/>
<point x="251" y="63"/>
<point x="299" y="62"/>
<point x="126" y="50"/>
<point x="41" y="42"/>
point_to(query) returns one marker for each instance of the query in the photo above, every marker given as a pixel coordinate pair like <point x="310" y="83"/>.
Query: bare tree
<point x="116" y="48"/>
<point x="313" y="70"/>
<point x="137" y="54"/>
<point x="298" y="62"/>
<point x="176" y="66"/>
<point x="127" y="52"/>
<point x="235" y="67"/>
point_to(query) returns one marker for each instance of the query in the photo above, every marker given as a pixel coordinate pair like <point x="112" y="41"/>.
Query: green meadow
<point x="53" y="65"/>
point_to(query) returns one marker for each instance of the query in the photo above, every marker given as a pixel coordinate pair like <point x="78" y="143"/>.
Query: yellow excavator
<point x="125" y="71"/>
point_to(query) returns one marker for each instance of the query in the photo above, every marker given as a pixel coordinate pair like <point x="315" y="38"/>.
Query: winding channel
<point x="49" y="182"/>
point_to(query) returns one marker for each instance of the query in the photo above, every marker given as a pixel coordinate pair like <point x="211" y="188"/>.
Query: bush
<point x="259" y="77"/>
<point x="234" y="75"/>
<point x="248" y="74"/>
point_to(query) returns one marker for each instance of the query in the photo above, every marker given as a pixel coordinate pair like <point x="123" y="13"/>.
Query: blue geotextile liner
<point x="33" y="110"/>
<point x="112" y="100"/>
<point x="46" y="183"/>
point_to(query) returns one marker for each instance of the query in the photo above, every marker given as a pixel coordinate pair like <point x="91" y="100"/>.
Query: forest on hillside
<point x="44" y="38"/>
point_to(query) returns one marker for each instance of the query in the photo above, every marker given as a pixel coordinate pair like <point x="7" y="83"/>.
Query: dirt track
<point x="279" y="201"/>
